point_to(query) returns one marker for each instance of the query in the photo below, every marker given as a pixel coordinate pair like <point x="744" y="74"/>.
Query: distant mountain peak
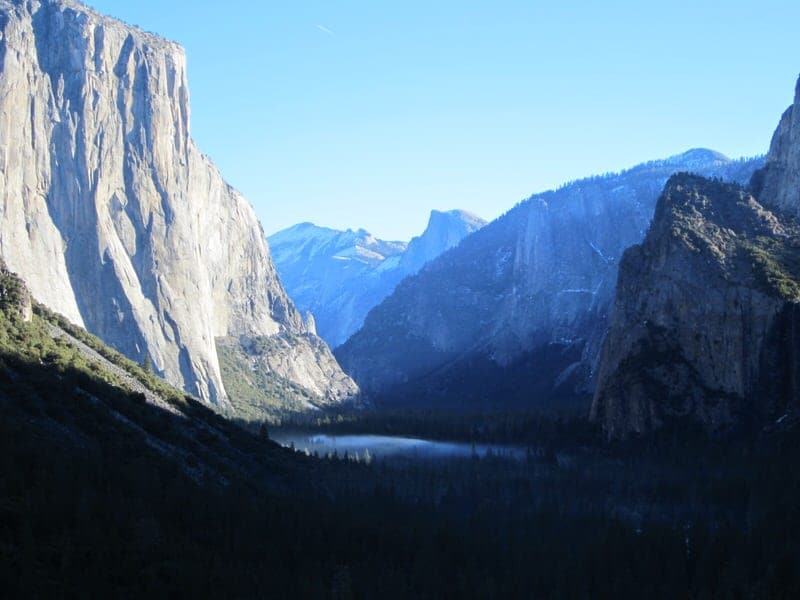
<point x="339" y="276"/>
<point x="704" y="153"/>
<point x="456" y="215"/>
<point x="696" y="157"/>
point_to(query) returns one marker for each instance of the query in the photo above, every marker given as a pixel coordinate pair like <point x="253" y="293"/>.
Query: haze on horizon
<point x="354" y="114"/>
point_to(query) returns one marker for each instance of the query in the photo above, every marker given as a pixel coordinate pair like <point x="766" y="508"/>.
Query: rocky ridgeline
<point x="515" y="315"/>
<point x="704" y="326"/>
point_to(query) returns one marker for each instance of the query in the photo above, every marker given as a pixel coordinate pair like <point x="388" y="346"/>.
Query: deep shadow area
<point x="477" y="383"/>
<point x="103" y="494"/>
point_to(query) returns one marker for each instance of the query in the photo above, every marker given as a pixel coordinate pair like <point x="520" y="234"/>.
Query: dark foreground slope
<point x="113" y="484"/>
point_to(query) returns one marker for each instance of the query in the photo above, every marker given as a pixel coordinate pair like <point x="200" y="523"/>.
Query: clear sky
<point x="368" y="113"/>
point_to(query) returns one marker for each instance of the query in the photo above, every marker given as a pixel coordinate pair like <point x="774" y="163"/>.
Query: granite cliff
<point x="704" y="322"/>
<point x="115" y="219"/>
<point x="704" y="326"/>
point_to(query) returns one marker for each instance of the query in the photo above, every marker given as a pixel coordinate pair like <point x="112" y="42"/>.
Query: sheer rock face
<point x="704" y="321"/>
<point x="339" y="276"/>
<point x="516" y="313"/>
<point x="778" y="184"/>
<point x="445" y="230"/>
<point x="109" y="211"/>
<point x="705" y="324"/>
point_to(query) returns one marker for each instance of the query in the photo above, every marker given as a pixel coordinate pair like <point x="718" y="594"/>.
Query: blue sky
<point x="370" y="113"/>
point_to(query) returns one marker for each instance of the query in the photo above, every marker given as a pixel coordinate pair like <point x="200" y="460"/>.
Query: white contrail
<point x="324" y="29"/>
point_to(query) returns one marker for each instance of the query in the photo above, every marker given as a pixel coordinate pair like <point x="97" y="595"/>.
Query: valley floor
<point x="673" y="518"/>
<point x="113" y="484"/>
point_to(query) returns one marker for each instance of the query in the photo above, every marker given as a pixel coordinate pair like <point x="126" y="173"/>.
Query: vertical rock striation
<point x="110" y="212"/>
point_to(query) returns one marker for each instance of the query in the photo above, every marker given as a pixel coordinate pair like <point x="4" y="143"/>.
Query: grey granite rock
<point x="703" y="325"/>
<point x="110" y="212"/>
<point x="778" y="184"/>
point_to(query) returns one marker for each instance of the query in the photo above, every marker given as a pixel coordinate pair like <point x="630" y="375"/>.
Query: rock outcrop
<point x="444" y="231"/>
<point x="704" y="325"/>
<point x="516" y="313"/>
<point x="109" y="211"/>
<point x="339" y="276"/>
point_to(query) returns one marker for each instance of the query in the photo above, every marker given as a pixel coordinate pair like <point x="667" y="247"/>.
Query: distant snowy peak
<point x="304" y="241"/>
<point x="300" y="236"/>
<point x="339" y="276"/>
